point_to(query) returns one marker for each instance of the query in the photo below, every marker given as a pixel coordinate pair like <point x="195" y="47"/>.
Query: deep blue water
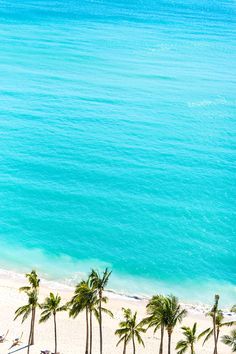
<point x="118" y="141"/>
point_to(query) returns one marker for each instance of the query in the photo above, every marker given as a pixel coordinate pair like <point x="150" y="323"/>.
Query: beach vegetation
<point x="190" y="338"/>
<point x="230" y="340"/>
<point x="51" y="306"/>
<point x="130" y="330"/>
<point x="219" y="322"/>
<point x="99" y="282"/>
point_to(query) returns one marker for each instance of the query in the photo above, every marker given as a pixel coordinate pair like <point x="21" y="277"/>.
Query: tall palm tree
<point x="213" y="312"/>
<point x="130" y="330"/>
<point x="230" y="340"/>
<point x="99" y="282"/>
<point x="50" y="307"/>
<point x="191" y="338"/>
<point x="28" y="309"/>
<point x="34" y="283"/>
<point x="173" y="314"/>
<point x="218" y="320"/>
<point x="85" y="298"/>
<point x="80" y="302"/>
<point x="157" y="316"/>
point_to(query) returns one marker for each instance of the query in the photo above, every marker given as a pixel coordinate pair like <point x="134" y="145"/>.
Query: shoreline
<point x="71" y="337"/>
<point x="194" y="307"/>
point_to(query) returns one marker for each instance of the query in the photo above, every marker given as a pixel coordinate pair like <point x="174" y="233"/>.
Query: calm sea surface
<point x="118" y="142"/>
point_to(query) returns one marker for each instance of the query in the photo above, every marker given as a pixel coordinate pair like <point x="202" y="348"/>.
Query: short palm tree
<point x="123" y="337"/>
<point x="173" y="314"/>
<point x="28" y="309"/>
<point x="130" y="330"/>
<point x="218" y="319"/>
<point x="99" y="282"/>
<point x="50" y="307"/>
<point x="230" y="340"/>
<point x="34" y="283"/>
<point x="191" y="338"/>
<point x="156" y="316"/>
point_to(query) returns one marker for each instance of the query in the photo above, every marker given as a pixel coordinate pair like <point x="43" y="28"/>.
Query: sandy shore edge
<point x="72" y="332"/>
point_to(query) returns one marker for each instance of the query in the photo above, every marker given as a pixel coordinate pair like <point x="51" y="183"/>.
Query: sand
<point x="71" y="332"/>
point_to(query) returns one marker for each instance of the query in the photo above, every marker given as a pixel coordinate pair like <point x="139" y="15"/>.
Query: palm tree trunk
<point x="33" y="323"/>
<point x="162" y="337"/>
<point x="217" y="338"/>
<point x="87" y="332"/>
<point x="91" y="332"/>
<point x="55" y="332"/>
<point x="169" y="342"/>
<point x="100" y="320"/>
<point x="192" y="349"/>
<point x="214" y="333"/>
<point x="30" y="334"/>
<point x="134" y="349"/>
<point x="125" y="343"/>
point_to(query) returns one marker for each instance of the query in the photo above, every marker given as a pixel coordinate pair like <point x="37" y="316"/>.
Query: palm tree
<point x="230" y="340"/>
<point x="99" y="282"/>
<point x="189" y="341"/>
<point x="156" y="316"/>
<point x="130" y="330"/>
<point x="218" y="320"/>
<point x="85" y="298"/>
<point x="34" y="282"/>
<point x="28" y="309"/>
<point x="173" y="314"/>
<point x="213" y="312"/>
<point x="50" y="307"/>
<point x="127" y="315"/>
<point x="80" y="302"/>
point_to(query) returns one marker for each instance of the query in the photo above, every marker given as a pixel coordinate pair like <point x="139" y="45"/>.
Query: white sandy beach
<point x="71" y="332"/>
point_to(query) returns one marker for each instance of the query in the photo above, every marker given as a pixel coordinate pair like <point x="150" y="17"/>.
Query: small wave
<point x="206" y="103"/>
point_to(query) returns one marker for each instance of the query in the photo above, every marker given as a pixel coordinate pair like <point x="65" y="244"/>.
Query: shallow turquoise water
<point x="117" y="146"/>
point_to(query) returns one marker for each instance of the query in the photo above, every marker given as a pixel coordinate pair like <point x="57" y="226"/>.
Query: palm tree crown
<point x="191" y="338"/>
<point x="130" y="330"/>
<point x="173" y="314"/>
<point x="34" y="281"/>
<point x="230" y="340"/>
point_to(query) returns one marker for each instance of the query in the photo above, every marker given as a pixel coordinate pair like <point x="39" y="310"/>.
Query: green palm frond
<point x="44" y="317"/>
<point x="23" y="311"/>
<point x="208" y="336"/>
<point x="129" y="328"/>
<point x="107" y="312"/>
<point x="24" y="288"/>
<point x="202" y="334"/>
<point x="51" y="306"/>
<point x="230" y="340"/>
<point x="182" y="347"/>
<point x="122" y="339"/>
<point x="139" y="338"/>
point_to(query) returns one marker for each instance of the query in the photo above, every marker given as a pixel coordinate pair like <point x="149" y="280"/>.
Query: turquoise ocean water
<point x="117" y="142"/>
